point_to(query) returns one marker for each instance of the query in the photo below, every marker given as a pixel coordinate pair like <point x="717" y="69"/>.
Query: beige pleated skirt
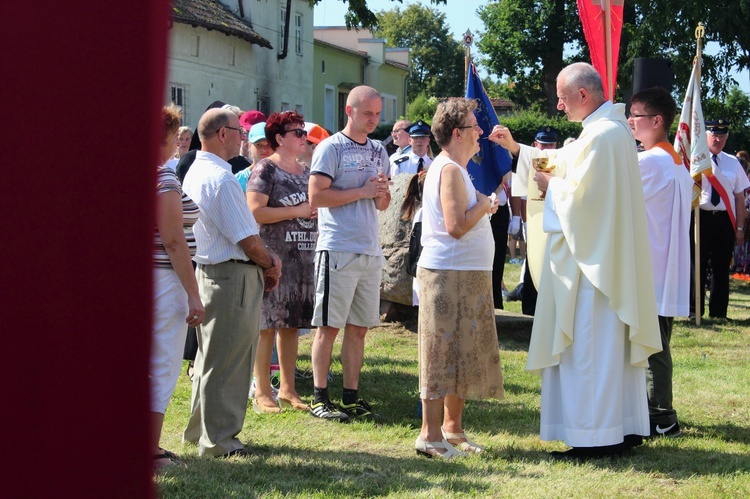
<point x="458" y="348"/>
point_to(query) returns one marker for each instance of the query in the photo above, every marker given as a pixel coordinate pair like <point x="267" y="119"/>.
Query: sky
<point x="459" y="14"/>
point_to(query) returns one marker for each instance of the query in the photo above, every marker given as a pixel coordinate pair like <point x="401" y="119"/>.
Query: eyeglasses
<point x="299" y="132"/>
<point x="241" y="131"/>
<point x="470" y="126"/>
<point x="633" y="115"/>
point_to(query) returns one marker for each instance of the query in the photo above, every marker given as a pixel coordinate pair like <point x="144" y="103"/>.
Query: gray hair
<point x="450" y="115"/>
<point x="211" y="121"/>
<point x="583" y="75"/>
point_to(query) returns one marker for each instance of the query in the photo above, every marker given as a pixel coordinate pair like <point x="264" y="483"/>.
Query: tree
<point x="735" y="108"/>
<point x="359" y="15"/>
<point x="421" y="108"/>
<point x="528" y="41"/>
<point x="524" y="41"/>
<point x="437" y="60"/>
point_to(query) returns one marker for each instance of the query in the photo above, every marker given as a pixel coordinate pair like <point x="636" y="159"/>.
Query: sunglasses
<point x="299" y="132"/>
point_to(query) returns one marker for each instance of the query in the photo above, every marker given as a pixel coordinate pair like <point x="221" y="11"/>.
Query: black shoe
<point x="586" y="453"/>
<point x="326" y="410"/>
<point x="666" y="430"/>
<point x="631" y="441"/>
<point x="241" y="452"/>
<point x="515" y="295"/>
<point x="360" y="409"/>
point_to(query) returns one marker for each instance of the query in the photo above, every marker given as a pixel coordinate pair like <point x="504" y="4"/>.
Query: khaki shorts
<point x="347" y="289"/>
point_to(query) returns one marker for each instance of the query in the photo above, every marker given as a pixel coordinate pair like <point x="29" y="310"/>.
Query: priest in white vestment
<point x="667" y="188"/>
<point x="596" y="321"/>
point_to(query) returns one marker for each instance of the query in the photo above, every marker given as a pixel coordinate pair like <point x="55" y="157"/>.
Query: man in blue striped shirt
<point x="233" y="267"/>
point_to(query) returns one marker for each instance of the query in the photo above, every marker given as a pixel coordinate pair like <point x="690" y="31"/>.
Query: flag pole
<point x="699" y="34"/>
<point x="608" y="48"/>
<point x="468" y="41"/>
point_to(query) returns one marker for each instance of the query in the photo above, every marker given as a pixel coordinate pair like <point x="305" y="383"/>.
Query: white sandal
<point x="424" y="448"/>
<point x="466" y="446"/>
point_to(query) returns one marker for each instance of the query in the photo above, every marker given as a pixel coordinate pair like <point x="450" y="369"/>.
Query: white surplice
<point x="595" y="324"/>
<point x="667" y="188"/>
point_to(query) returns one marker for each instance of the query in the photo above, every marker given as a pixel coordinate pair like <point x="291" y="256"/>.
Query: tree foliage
<point x="359" y="15"/>
<point x="527" y="42"/>
<point x="735" y="108"/>
<point x="422" y="108"/>
<point x="437" y="60"/>
<point x="523" y="42"/>
<point x="526" y="124"/>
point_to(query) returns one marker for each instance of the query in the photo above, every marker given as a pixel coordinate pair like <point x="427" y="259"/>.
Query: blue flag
<point x="492" y="162"/>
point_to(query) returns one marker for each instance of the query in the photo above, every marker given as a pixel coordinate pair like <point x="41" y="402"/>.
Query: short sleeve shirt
<point x="353" y="227"/>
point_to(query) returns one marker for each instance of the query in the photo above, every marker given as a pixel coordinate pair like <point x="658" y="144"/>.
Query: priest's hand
<point x="542" y="180"/>
<point x="501" y="135"/>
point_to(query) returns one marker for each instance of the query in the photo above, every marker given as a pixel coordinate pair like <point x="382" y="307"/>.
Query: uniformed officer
<point x="546" y="138"/>
<point x="417" y="159"/>
<point x="400" y="136"/>
<point x="722" y="216"/>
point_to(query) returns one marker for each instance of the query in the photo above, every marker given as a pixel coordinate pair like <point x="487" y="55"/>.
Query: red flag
<point x="602" y="33"/>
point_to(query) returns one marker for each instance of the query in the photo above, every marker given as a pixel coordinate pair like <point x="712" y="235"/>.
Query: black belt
<point x="244" y="262"/>
<point x="715" y="212"/>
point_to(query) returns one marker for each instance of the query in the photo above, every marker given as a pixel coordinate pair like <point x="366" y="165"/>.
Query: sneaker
<point x="669" y="430"/>
<point x="515" y="261"/>
<point x="359" y="409"/>
<point x="326" y="410"/>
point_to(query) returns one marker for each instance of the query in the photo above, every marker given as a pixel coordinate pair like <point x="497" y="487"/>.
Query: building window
<point x="262" y="105"/>
<point x="323" y="67"/>
<point x="178" y="96"/>
<point x="232" y="55"/>
<point x="298" y="33"/>
<point x="390" y="110"/>
<point x="299" y="109"/>
<point x="282" y="29"/>
<point x="284" y="106"/>
<point x="329" y="107"/>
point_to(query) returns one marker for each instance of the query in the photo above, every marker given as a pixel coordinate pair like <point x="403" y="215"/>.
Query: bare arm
<point x="268" y="260"/>
<point x="321" y="195"/>
<point x="169" y="224"/>
<point x="458" y="219"/>
<point x="258" y="204"/>
<point x="256" y="251"/>
<point x="383" y="197"/>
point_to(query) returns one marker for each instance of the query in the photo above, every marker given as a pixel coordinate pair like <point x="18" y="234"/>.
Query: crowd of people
<point x="279" y="217"/>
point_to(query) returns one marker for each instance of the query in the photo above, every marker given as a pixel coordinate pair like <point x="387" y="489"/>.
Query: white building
<point x="234" y="51"/>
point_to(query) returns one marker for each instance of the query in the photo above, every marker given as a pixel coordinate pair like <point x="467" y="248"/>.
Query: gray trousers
<point x="232" y="294"/>
<point x="659" y="379"/>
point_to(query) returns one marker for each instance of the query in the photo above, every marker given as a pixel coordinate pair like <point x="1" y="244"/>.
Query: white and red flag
<point x="690" y="140"/>
<point x="602" y="26"/>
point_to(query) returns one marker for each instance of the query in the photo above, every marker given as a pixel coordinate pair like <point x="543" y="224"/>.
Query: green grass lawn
<point x="299" y="456"/>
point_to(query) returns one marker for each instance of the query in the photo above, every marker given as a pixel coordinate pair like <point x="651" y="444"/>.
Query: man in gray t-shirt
<point x="348" y="184"/>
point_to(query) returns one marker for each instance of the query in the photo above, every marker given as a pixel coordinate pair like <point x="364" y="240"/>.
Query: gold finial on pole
<point x="700" y="34"/>
<point x="468" y="42"/>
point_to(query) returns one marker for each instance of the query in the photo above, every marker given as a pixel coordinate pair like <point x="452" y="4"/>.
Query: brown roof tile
<point x="211" y="14"/>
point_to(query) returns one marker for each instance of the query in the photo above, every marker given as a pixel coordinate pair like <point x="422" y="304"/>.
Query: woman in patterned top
<point x="176" y="300"/>
<point x="277" y="196"/>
